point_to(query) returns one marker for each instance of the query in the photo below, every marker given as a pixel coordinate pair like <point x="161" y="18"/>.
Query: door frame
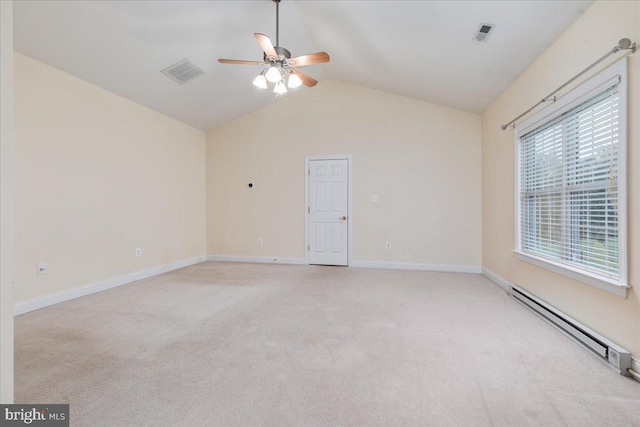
<point x="307" y="181"/>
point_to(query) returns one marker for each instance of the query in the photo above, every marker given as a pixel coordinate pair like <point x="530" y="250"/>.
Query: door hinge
<point x="309" y="209"/>
<point x="309" y="171"/>
<point x="308" y="247"/>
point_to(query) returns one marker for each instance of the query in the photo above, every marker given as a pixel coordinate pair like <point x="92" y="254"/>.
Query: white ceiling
<point x="420" y="49"/>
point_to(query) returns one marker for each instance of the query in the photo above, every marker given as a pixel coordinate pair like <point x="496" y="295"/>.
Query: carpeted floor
<point x="244" y="344"/>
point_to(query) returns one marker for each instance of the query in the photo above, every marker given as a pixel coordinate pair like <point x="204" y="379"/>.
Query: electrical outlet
<point x="42" y="268"/>
<point x="138" y="251"/>
<point x="260" y="241"/>
<point x="375" y="198"/>
<point x="387" y="245"/>
<point x="176" y="246"/>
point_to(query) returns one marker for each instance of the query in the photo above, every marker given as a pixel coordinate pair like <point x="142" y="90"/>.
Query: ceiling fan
<point x="281" y="66"/>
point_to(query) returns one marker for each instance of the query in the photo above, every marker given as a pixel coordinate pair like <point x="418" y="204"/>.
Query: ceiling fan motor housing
<point x="283" y="54"/>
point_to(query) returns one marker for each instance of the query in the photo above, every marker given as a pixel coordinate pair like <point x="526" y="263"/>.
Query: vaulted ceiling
<point x="419" y="49"/>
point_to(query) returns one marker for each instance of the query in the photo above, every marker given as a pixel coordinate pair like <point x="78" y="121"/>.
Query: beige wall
<point x="421" y="159"/>
<point x="596" y="32"/>
<point x="98" y="176"/>
<point x="7" y="175"/>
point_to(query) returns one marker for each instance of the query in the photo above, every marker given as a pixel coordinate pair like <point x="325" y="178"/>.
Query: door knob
<point x="344" y="217"/>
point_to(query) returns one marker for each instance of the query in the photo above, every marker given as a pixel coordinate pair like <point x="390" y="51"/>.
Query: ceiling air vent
<point x="183" y="71"/>
<point x="482" y="34"/>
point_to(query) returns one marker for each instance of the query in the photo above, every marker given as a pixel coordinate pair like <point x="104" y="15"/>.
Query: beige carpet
<point x="242" y="344"/>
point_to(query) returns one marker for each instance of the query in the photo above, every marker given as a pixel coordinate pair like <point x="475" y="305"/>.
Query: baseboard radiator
<point x="612" y="354"/>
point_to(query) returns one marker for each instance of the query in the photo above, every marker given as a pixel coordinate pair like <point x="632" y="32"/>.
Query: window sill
<point x="600" y="282"/>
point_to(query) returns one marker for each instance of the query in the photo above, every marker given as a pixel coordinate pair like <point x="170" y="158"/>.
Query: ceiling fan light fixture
<point x="260" y="81"/>
<point x="293" y="81"/>
<point x="273" y="75"/>
<point x="280" y="88"/>
<point x="280" y="64"/>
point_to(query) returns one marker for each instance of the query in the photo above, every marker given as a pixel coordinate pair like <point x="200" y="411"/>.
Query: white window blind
<point x="569" y="187"/>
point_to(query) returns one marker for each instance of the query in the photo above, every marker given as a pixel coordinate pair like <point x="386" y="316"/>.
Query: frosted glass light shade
<point x="260" y="81"/>
<point x="294" y="81"/>
<point x="280" y="88"/>
<point x="273" y="75"/>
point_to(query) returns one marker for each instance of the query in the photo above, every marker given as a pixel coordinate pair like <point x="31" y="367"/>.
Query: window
<point x="571" y="183"/>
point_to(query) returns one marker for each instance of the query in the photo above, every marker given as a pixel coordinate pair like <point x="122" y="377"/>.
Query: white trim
<point x="7" y="203"/>
<point x="567" y="102"/>
<point x="623" y="244"/>
<point x="418" y="267"/>
<point x="348" y="158"/>
<point x="497" y="279"/>
<point x="256" y="259"/>
<point x="357" y="264"/>
<point x="38" y="303"/>
<point x="577" y="95"/>
<point x="517" y="186"/>
<point x="600" y="282"/>
<point x="585" y="90"/>
<point x="307" y="207"/>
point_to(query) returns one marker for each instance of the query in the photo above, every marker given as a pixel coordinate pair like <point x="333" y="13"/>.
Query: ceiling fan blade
<point x="266" y="45"/>
<point x="239" y="61"/>
<point x="313" y="58"/>
<point x="306" y="80"/>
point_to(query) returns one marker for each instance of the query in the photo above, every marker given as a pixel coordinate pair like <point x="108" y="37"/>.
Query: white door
<point x="328" y="209"/>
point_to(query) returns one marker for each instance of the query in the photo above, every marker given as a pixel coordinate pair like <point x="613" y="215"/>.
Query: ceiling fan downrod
<point x="283" y="53"/>
<point x="277" y="2"/>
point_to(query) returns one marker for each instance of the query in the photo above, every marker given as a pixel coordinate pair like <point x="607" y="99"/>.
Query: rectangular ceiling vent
<point x="183" y="71"/>
<point x="482" y="34"/>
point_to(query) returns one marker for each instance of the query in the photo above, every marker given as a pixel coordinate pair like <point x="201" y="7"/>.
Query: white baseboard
<point x="256" y="259"/>
<point x="361" y="264"/>
<point x="496" y="279"/>
<point x="35" y="304"/>
<point x="417" y="267"/>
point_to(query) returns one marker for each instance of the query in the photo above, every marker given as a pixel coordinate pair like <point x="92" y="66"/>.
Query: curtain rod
<point x="623" y="44"/>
